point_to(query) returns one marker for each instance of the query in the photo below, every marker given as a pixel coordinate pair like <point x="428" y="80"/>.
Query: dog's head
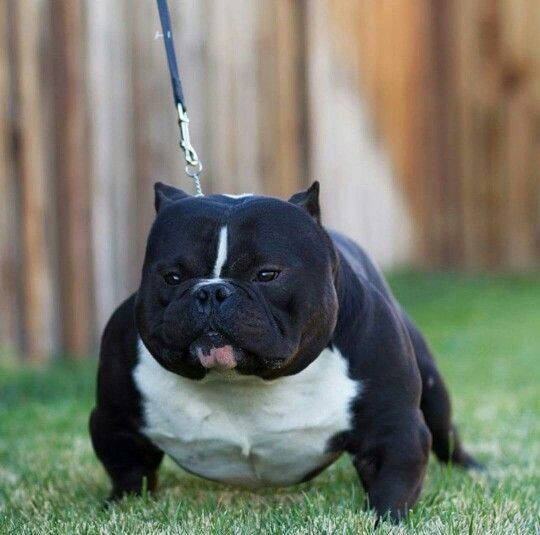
<point x="244" y="283"/>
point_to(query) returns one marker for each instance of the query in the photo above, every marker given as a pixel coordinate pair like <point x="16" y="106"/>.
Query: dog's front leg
<point x="392" y="463"/>
<point x="128" y="457"/>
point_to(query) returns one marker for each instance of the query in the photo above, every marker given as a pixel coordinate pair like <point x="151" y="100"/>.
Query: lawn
<point x="486" y="333"/>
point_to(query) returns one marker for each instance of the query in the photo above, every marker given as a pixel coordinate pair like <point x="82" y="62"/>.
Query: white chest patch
<point x="244" y="430"/>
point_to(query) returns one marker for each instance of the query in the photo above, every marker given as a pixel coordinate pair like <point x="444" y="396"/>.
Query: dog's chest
<point x="245" y="430"/>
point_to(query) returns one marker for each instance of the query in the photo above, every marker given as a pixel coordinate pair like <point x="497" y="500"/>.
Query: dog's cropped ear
<point x="309" y="201"/>
<point x="165" y="195"/>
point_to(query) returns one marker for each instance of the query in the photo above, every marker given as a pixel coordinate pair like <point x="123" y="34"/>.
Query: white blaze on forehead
<point x="221" y="255"/>
<point x="241" y="196"/>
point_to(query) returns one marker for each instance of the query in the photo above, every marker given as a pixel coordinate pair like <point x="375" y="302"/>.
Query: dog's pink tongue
<point x="219" y="357"/>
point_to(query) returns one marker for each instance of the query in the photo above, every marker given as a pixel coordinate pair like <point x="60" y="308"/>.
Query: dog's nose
<point x="213" y="293"/>
<point x="222" y="292"/>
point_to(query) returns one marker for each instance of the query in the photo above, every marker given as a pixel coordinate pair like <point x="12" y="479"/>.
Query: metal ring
<point x="195" y="173"/>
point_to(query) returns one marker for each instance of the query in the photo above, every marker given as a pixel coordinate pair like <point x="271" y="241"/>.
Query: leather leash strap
<point x="193" y="164"/>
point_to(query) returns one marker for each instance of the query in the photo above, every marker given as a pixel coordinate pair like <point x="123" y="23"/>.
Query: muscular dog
<point x="258" y="348"/>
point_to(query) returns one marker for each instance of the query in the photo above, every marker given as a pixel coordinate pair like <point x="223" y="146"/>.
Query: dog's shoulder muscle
<point x="118" y="357"/>
<point x="371" y="331"/>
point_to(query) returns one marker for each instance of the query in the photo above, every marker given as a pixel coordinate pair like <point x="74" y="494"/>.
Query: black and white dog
<point x="258" y="348"/>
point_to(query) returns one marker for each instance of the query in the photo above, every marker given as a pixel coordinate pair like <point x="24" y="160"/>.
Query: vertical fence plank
<point x="517" y="79"/>
<point x="111" y="157"/>
<point x="534" y="40"/>
<point x="464" y="69"/>
<point x="36" y="285"/>
<point x="230" y="96"/>
<point x="9" y="308"/>
<point x="221" y="147"/>
<point x="280" y="61"/>
<point x="72" y="180"/>
<point x="102" y="153"/>
<point x="492" y="177"/>
<point x="445" y="203"/>
<point x="422" y="149"/>
<point x="476" y="134"/>
<point x="243" y="62"/>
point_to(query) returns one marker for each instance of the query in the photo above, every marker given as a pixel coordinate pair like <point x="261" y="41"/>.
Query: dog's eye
<point x="266" y="275"/>
<point x="172" y="278"/>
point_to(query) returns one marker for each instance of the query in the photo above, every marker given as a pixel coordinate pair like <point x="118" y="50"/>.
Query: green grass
<point x="486" y="333"/>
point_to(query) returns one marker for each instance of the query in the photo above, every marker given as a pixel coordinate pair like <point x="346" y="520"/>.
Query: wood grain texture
<point x="421" y="120"/>
<point x="453" y="88"/>
<point x="346" y="150"/>
<point x="71" y="172"/>
<point x="9" y="281"/>
<point x="33" y="262"/>
<point x="115" y="217"/>
<point x="282" y="106"/>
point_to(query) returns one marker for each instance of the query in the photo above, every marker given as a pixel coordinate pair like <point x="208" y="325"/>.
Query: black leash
<point x="193" y="164"/>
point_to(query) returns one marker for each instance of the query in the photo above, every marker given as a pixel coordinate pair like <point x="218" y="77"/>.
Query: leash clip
<point x="185" y="141"/>
<point x="193" y="164"/>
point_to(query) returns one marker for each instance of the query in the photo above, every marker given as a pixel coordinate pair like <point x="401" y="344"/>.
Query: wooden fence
<point x="420" y="118"/>
<point x="455" y="91"/>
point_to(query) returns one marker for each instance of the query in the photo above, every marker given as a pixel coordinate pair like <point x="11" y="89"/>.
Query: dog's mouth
<point x="215" y="351"/>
